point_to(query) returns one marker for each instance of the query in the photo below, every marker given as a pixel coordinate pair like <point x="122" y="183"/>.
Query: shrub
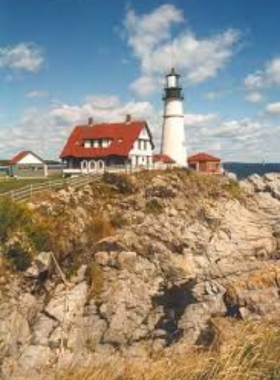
<point x="118" y="220"/>
<point x="98" y="228"/>
<point x="123" y="182"/>
<point x="96" y="280"/>
<point x="12" y="216"/>
<point x="233" y="189"/>
<point x="255" y="355"/>
<point x="153" y="206"/>
<point x="39" y="236"/>
<point x="17" y="220"/>
<point x="19" y="258"/>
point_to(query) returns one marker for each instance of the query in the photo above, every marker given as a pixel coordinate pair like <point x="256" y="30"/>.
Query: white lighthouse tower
<point x="173" y="131"/>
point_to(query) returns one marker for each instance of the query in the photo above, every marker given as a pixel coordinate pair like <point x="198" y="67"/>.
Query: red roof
<point x="122" y="136"/>
<point x="23" y="154"/>
<point x="164" y="158"/>
<point x="203" y="157"/>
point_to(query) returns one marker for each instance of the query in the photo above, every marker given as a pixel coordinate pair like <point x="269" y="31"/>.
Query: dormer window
<point x="87" y="144"/>
<point x="97" y="143"/>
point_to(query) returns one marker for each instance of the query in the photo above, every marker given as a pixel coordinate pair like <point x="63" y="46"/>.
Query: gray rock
<point x="86" y="333"/>
<point x="36" y="358"/>
<point x="40" y="266"/>
<point x="67" y="304"/>
<point x="42" y="329"/>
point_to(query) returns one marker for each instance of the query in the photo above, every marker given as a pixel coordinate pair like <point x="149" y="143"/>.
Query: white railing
<point x="29" y="191"/>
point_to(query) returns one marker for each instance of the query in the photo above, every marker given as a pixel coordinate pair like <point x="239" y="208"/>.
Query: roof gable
<point x="164" y="158"/>
<point x="122" y="136"/>
<point x="21" y="155"/>
<point x="203" y="157"/>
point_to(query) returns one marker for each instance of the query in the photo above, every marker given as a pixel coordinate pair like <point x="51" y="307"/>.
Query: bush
<point x="97" y="229"/>
<point x="39" y="236"/>
<point x="123" y="182"/>
<point x="13" y="216"/>
<point x="96" y="280"/>
<point x="21" y="235"/>
<point x="154" y="207"/>
<point x="118" y="220"/>
<point x="233" y="189"/>
<point x="255" y="355"/>
<point x="19" y="258"/>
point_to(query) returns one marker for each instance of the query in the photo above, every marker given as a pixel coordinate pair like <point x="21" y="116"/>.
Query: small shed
<point x="205" y="163"/>
<point x="28" y="164"/>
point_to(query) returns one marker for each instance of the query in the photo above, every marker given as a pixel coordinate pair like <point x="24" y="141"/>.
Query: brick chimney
<point x="90" y="121"/>
<point x="128" y="118"/>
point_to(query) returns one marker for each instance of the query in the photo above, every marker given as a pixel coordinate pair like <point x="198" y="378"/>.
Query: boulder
<point x="67" y="304"/>
<point x="40" y="266"/>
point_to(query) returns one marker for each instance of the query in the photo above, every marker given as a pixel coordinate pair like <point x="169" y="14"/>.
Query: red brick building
<point x="205" y="163"/>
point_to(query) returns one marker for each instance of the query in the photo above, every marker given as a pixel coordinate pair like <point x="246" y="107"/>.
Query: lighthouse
<point x="173" y="131"/>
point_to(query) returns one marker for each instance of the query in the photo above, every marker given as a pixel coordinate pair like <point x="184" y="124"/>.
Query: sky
<point x="63" y="61"/>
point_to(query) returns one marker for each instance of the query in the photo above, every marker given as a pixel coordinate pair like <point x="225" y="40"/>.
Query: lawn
<point x="14" y="184"/>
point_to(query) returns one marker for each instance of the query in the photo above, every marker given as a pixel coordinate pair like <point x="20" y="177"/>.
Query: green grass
<point x="15" y="184"/>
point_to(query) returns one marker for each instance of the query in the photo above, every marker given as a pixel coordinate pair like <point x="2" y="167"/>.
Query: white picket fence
<point x="29" y="191"/>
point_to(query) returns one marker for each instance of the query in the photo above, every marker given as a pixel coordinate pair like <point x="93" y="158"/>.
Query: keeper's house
<point x="205" y="163"/>
<point x="93" y="147"/>
<point x="27" y="164"/>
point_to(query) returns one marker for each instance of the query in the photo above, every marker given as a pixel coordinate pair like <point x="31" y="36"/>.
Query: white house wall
<point x="142" y="156"/>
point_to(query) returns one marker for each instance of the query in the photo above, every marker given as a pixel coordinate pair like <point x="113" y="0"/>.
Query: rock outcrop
<point x="184" y="252"/>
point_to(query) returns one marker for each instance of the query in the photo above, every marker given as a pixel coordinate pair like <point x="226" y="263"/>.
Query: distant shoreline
<point x="244" y="170"/>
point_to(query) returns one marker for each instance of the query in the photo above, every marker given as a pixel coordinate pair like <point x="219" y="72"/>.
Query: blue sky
<point x="62" y="61"/>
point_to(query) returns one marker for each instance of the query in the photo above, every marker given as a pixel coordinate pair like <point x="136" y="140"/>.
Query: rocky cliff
<point x="140" y="266"/>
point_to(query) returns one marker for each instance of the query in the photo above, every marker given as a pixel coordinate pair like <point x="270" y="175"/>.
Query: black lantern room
<point x="173" y="89"/>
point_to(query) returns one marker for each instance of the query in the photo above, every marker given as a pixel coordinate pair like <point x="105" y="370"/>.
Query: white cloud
<point x="36" y="94"/>
<point x="254" y="81"/>
<point x="273" y="72"/>
<point x="213" y="95"/>
<point x="21" y="57"/>
<point x="151" y="39"/>
<point x="235" y="140"/>
<point x="47" y="132"/>
<point x="194" y="120"/>
<point x="103" y="102"/>
<point x="254" y="97"/>
<point x="273" y="108"/>
<point x="267" y="77"/>
<point x="145" y="85"/>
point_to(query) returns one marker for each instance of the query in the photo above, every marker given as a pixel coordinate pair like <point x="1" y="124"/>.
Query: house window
<point x="95" y="143"/>
<point x="87" y="144"/>
<point x="101" y="165"/>
<point x="84" y="165"/>
<point x="145" y="144"/>
<point x="92" y="165"/>
<point x="139" y="144"/>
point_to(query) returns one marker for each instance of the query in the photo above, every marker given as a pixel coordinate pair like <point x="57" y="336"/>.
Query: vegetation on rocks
<point x="253" y="355"/>
<point x="161" y="272"/>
